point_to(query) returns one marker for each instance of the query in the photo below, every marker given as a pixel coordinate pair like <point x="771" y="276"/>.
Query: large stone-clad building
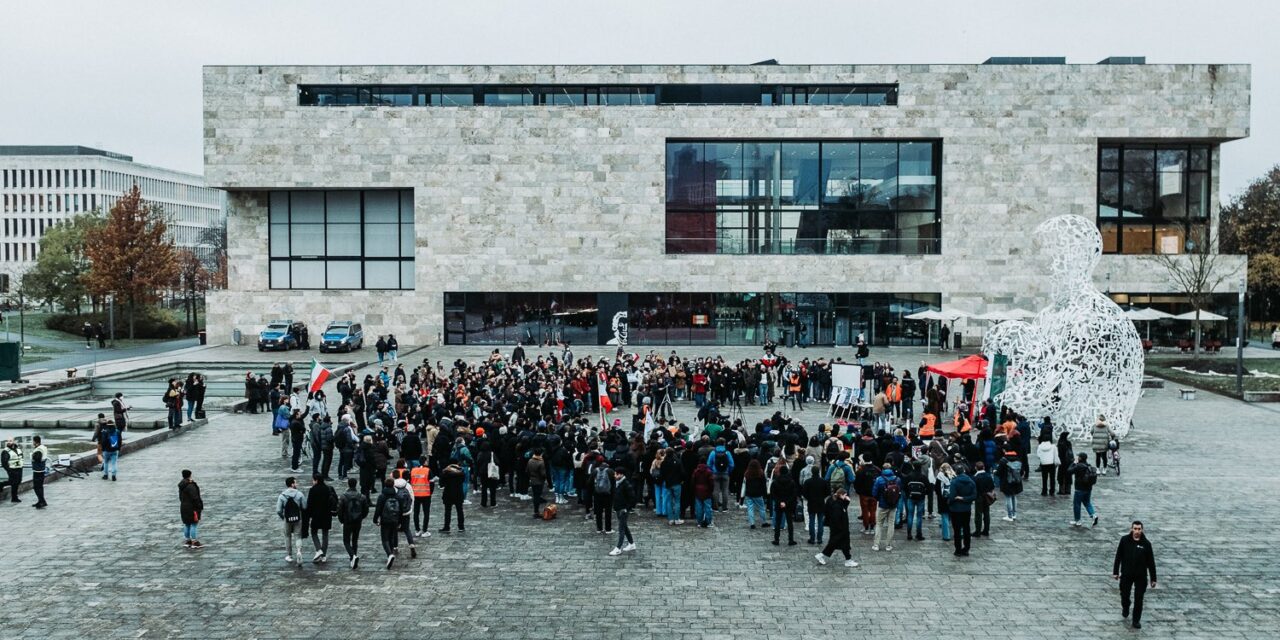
<point x="699" y="204"/>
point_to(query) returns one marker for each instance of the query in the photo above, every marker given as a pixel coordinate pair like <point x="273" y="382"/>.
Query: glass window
<point x="508" y="97"/>
<point x="1109" y="194"/>
<point x="406" y="274"/>
<point x="1197" y="195"/>
<point x="879" y="174"/>
<point x="453" y="97"/>
<point x="344" y="274"/>
<point x="840" y="171"/>
<point x="572" y="96"/>
<point x="301" y="236"/>
<point x="800" y="174"/>
<point x="382" y="274"/>
<point x="1137" y="238"/>
<point x="916" y="182"/>
<point x="1156" y="189"/>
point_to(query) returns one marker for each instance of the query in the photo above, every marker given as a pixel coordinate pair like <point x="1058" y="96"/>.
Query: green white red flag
<point x="318" y="376"/>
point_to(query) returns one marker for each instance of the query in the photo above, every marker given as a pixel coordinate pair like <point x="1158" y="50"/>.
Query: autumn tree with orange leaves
<point x="131" y="257"/>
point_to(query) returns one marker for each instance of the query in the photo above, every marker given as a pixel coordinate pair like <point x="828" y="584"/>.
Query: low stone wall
<point x="88" y="462"/>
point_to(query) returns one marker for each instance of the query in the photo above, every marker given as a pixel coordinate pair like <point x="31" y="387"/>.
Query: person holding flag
<point x="319" y="375"/>
<point x="606" y="405"/>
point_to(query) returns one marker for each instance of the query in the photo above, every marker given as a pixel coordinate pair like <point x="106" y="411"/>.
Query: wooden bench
<point x="1262" y="396"/>
<point x="1187" y="394"/>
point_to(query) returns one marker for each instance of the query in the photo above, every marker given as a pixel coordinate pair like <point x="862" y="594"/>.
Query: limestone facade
<point x="571" y="198"/>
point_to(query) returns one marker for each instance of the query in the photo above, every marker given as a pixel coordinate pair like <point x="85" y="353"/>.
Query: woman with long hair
<point x="754" y="487"/>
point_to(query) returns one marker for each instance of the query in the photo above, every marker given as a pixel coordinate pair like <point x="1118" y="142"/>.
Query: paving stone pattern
<point x="105" y="559"/>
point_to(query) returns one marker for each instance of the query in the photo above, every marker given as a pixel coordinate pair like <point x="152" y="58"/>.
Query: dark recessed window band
<point x="409" y="95"/>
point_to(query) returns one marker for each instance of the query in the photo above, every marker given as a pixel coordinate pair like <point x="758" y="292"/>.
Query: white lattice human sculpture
<point x="1080" y="358"/>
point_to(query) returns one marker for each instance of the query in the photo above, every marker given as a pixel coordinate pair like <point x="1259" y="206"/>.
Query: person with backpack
<point x="1085" y="476"/>
<point x="386" y="516"/>
<point x="602" y="485"/>
<point x="451" y="482"/>
<point x="624" y="501"/>
<point x="863" y="482"/>
<point x="297" y="436"/>
<point x="816" y="490"/>
<point x="720" y="462"/>
<point x="835" y="512"/>
<point x="1102" y="436"/>
<point x="353" y="508"/>
<point x="917" y="490"/>
<point x="986" y="497"/>
<point x="289" y="507"/>
<point x="1009" y="470"/>
<point x="839" y="474"/>
<point x="111" y="441"/>
<point x="322" y="505"/>
<point x="961" y="496"/>
<point x="460" y="455"/>
<point x="346" y="441"/>
<point x="703" y="485"/>
<point x="887" y="491"/>
<point x="190" y="507"/>
<point x="404" y="496"/>
<point x="1065" y="458"/>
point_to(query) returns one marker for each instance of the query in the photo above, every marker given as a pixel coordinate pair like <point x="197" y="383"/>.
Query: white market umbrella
<point x="993" y="316"/>
<point x="945" y="315"/>
<point x="1147" y="315"/>
<point x="1020" y="314"/>
<point x="1205" y="316"/>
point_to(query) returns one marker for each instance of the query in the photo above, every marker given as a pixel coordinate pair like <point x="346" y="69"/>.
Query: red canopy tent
<point x="970" y="368"/>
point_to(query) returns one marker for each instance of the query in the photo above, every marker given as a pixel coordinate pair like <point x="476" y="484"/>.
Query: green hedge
<point x="149" y="322"/>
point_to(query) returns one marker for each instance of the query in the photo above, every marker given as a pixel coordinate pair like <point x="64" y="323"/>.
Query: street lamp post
<point x="1240" y="341"/>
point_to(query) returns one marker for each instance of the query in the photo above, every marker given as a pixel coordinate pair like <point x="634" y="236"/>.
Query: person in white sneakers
<point x="290" y="506"/>
<point x="624" y="501"/>
<point x="836" y="508"/>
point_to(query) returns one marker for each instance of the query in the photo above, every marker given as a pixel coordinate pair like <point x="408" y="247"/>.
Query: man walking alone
<point x="1134" y="560"/>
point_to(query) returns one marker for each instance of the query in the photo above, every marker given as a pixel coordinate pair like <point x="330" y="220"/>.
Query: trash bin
<point x="958" y="340"/>
<point x="235" y="337"/>
<point x="203" y="338"/>
<point x="10" y="364"/>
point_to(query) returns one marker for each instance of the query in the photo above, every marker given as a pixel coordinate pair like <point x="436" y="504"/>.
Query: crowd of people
<point x="532" y="426"/>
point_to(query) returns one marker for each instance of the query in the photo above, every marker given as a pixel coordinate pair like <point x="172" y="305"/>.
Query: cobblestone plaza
<point x="105" y="559"/>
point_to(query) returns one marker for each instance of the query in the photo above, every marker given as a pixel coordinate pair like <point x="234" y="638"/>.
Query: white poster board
<point x="844" y="375"/>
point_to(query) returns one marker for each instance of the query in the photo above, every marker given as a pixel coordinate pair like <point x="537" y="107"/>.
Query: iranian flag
<point x="319" y="375"/>
<point x="605" y="405"/>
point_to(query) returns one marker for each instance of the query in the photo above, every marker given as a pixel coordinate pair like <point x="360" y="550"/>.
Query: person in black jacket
<point x="816" y="490"/>
<point x="390" y="525"/>
<point x="624" y="500"/>
<point x="836" y="510"/>
<point x="1134" y="560"/>
<point x="783" y="494"/>
<point x="322" y="501"/>
<point x="673" y="476"/>
<point x="451" y="479"/>
<point x="190" y="506"/>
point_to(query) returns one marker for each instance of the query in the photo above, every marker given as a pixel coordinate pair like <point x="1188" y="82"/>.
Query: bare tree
<point x="1197" y="274"/>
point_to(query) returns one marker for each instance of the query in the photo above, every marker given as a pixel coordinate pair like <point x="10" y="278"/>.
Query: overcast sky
<point x="124" y="75"/>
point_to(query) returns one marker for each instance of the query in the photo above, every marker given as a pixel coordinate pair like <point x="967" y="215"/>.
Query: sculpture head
<point x="1073" y="245"/>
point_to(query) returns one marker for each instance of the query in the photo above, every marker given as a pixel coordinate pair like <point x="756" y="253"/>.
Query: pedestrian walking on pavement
<point x="190" y="506"/>
<point x="1135" y="562"/>
<point x="961" y="496"/>
<point x="836" y="517"/>
<point x="1085" y="477"/>
<point x="451" y="482"/>
<point x="353" y="508"/>
<point x="322" y="503"/>
<point x="624" y="501"/>
<point x="290" y="505"/>
<point x="887" y="490"/>
<point x="386" y="514"/>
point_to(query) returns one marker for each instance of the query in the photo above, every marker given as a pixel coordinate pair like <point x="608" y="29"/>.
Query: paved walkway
<point x="105" y="559"/>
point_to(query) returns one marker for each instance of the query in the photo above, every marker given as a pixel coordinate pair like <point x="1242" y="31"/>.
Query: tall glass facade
<point x="685" y="318"/>
<point x="1153" y="198"/>
<point x="348" y="239"/>
<point x="803" y="197"/>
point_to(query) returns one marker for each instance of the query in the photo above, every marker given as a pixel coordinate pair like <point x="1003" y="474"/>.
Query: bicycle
<point x="1114" y="457"/>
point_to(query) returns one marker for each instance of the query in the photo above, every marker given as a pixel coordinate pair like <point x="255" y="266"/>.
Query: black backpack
<point x="722" y="462"/>
<point x="391" y="510"/>
<point x="916" y="489"/>
<point x="1090" y="477"/>
<point x="292" y="510"/>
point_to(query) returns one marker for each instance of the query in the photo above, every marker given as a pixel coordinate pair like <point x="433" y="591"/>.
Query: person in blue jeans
<point x="110" y="439"/>
<point x="673" y="476"/>
<point x="816" y="489"/>
<point x="753" y="490"/>
<point x="915" y="492"/>
<point x="704" y="485"/>
<point x="1084" y="476"/>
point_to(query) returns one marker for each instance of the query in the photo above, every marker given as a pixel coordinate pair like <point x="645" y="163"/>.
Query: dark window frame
<point x="716" y="210"/>
<point x="1192" y="227"/>
<point x="323" y="258"/>
<point x="421" y="95"/>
